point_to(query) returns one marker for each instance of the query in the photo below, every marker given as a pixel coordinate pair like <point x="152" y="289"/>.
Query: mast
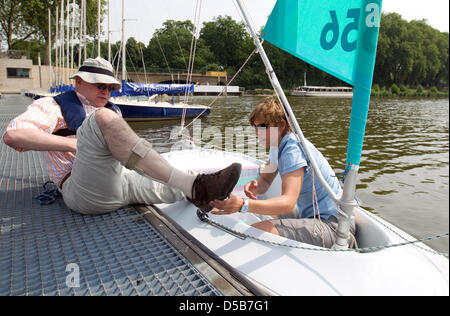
<point x="84" y="29"/>
<point x="50" y="47"/>
<point x="68" y="41"/>
<point x="73" y="36"/>
<point x="124" y="75"/>
<point x="63" y="47"/>
<point x="80" y="33"/>
<point x="57" y="48"/>
<point x="63" y="76"/>
<point x="98" y="26"/>
<point x="109" y="32"/>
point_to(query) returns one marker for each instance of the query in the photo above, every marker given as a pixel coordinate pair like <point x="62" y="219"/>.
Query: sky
<point x="145" y="16"/>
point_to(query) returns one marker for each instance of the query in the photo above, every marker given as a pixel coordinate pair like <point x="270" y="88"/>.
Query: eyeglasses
<point x="262" y="125"/>
<point x="103" y="87"/>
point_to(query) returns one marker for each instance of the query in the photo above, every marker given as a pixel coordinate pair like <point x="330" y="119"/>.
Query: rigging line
<point x="190" y="51"/>
<point x="197" y="22"/>
<point x="143" y="64"/>
<point x="223" y="90"/>
<point x="190" y="79"/>
<point x="241" y="16"/>
<point x="116" y="60"/>
<point x="193" y="42"/>
<point x="316" y="207"/>
<point x="134" y="67"/>
<point x="179" y="46"/>
<point x="119" y="53"/>
<point x="232" y="78"/>
<point x="164" y="55"/>
<point x="250" y="17"/>
<point x="194" y="37"/>
<point x="167" y="13"/>
<point x="145" y="71"/>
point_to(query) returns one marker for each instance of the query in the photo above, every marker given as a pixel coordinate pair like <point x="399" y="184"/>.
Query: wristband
<point x="244" y="208"/>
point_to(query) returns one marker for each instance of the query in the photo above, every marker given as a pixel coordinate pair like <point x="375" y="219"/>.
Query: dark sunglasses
<point x="103" y="87"/>
<point x="262" y="125"/>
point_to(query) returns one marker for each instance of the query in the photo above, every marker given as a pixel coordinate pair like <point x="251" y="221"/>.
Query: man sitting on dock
<point x="96" y="159"/>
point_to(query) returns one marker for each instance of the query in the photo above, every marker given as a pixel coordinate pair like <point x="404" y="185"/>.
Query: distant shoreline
<point x="393" y="92"/>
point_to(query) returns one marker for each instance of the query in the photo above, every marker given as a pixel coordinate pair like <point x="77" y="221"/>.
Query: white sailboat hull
<point x="308" y="270"/>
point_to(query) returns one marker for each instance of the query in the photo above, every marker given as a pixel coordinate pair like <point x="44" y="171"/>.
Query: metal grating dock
<point x="116" y="254"/>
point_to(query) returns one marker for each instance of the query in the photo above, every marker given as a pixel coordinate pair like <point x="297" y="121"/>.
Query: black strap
<point x="96" y="70"/>
<point x="65" y="132"/>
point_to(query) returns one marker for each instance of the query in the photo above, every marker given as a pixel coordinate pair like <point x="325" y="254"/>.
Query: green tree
<point x="442" y="75"/>
<point x="134" y="51"/>
<point x="170" y="48"/>
<point x="28" y="19"/>
<point x="396" y="53"/>
<point x="228" y="41"/>
<point x="410" y="53"/>
<point x="12" y="23"/>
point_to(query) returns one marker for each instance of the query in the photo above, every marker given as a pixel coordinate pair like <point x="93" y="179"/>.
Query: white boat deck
<point x="287" y="267"/>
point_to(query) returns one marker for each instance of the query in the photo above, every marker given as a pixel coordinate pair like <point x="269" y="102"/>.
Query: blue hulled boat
<point x="133" y="110"/>
<point x="150" y="108"/>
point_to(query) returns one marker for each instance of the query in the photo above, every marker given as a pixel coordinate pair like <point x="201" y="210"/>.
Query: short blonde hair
<point x="272" y="112"/>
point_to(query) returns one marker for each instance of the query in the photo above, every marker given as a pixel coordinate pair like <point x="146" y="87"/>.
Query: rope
<point x="316" y="206"/>
<point x="164" y="55"/>
<point x="221" y="92"/>
<point x="179" y="46"/>
<point x="194" y="39"/>
<point x="193" y="46"/>
<point x="134" y="67"/>
<point x="143" y="63"/>
<point x="343" y="174"/>
<point x="367" y="249"/>
<point x="50" y="194"/>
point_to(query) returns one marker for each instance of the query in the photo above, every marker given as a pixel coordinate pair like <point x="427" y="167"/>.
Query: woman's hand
<point x="251" y="189"/>
<point x="229" y="206"/>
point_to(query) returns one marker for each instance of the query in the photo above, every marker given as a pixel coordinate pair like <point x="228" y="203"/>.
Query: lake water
<point x="404" y="172"/>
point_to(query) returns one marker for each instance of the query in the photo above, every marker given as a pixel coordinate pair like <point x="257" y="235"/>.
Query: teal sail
<point x="339" y="37"/>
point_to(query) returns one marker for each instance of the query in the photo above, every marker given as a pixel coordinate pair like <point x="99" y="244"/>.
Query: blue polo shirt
<point x="291" y="158"/>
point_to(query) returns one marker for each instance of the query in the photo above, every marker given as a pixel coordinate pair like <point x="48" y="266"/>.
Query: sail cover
<point x="339" y="37"/>
<point x="137" y="89"/>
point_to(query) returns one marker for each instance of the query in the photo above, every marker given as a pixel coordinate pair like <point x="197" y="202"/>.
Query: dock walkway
<point x="46" y="249"/>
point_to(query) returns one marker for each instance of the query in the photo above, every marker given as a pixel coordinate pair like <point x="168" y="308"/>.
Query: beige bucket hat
<point x="97" y="70"/>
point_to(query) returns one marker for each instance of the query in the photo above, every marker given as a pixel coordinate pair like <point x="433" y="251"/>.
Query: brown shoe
<point x="214" y="186"/>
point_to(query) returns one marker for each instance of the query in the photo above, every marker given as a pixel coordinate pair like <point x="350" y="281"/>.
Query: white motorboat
<point x="322" y="92"/>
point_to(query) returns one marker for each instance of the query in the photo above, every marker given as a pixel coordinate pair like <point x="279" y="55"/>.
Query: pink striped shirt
<point x="45" y="114"/>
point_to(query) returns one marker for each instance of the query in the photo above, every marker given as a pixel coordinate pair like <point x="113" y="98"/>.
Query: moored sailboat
<point x="150" y="109"/>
